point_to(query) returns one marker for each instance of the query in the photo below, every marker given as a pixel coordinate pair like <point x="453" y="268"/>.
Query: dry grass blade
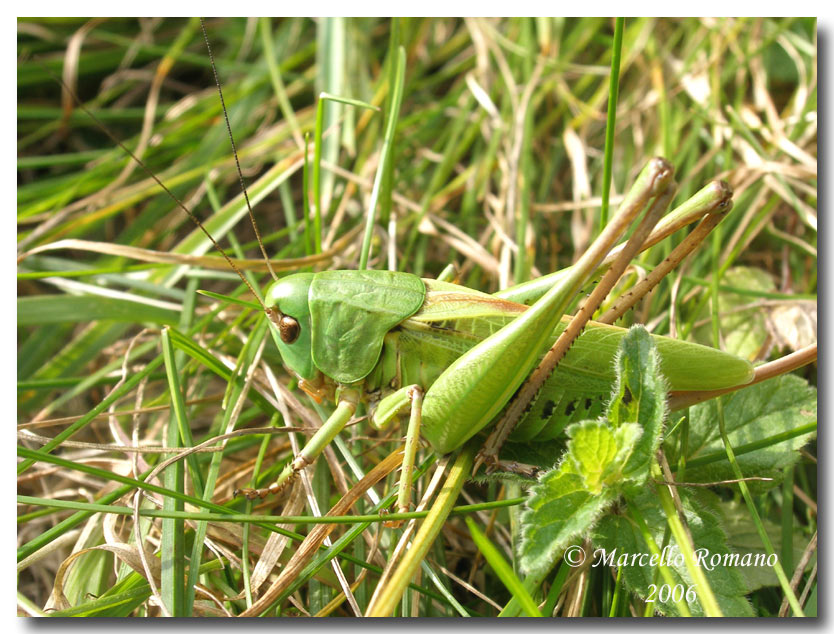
<point x="205" y="261"/>
<point x="316" y="536"/>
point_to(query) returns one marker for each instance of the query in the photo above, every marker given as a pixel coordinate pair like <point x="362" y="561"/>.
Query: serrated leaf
<point x="598" y="452"/>
<point x="627" y="435"/>
<point x="744" y="539"/>
<point x="639" y="396"/>
<point x="618" y="535"/>
<point x="592" y="448"/>
<point x="568" y="500"/>
<point x="751" y="415"/>
<point x="559" y="510"/>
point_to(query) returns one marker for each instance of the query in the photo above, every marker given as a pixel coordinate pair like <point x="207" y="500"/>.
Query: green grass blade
<point x="611" y="119"/>
<point x="390" y="127"/>
<point x="502" y="569"/>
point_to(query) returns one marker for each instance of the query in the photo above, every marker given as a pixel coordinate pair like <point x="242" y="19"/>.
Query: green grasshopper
<point x="388" y="338"/>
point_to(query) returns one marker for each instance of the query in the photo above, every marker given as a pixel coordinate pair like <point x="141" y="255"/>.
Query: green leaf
<point x="617" y="540"/>
<point x="744" y="539"/>
<point x="560" y="510"/>
<point x="85" y="344"/>
<point x="753" y="414"/>
<point x="628" y="436"/>
<point x="639" y="397"/>
<point x="569" y="499"/>
<point x="597" y="452"/>
<point x="591" y="450"/>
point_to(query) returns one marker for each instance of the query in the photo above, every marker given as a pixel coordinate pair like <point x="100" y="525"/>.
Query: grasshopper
<point x="456" y="357"/>
<point x="387" y="337"/>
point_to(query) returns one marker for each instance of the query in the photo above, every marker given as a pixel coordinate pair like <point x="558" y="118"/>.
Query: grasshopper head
<point x="289" y="320"/>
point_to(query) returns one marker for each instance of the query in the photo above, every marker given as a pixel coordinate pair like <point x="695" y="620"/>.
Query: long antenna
<point x="234" y="151"/>
<point x="150" y="173"/>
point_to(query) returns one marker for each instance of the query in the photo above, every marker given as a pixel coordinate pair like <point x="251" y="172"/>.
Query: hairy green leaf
<point x="617" y="541"/>
<point x="591" y="450"/>
<point x="752" y="415"/>
<point x="639" y="397"/>
<point x="560" y="510"/>
<point x="597" y="452"/>
<point x="602" y="457"/>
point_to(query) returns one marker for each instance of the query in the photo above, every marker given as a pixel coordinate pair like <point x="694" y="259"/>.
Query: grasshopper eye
<point x="289" y="329"/>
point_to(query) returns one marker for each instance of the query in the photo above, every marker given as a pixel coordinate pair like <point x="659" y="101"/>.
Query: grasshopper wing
<point x="351" y="312"/>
